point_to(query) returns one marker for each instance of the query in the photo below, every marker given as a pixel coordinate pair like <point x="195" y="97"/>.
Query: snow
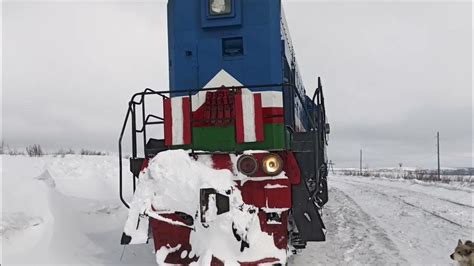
<point x="383" y="221"/>
<point x="173" y="181"/>
<point x="275" y="186"/>
<point x="163" y="252"/>
<point x="67" y="211"/>
<point x="177" y="121"/>
<point x="79" y="220"/>
<point x="248" y="110"/>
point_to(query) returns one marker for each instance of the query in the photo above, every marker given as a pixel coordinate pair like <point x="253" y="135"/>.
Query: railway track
<point x="404" y="189"/>
<point x="457" y="203"/>
<point x="402" y="200"/>
<point x="434" y="214"/>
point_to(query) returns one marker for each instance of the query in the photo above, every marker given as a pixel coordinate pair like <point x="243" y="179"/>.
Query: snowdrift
<point x="67" y="211"/>
<point x="62" y="211"/>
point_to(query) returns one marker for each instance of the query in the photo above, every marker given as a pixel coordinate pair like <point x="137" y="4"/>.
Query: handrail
<point x="149" y="91"/>
<point x="124" y="126"/>
<point x="135" y="102"/>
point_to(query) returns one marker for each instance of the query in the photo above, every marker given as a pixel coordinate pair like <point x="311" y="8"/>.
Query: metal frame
<point x="138" y="100"/>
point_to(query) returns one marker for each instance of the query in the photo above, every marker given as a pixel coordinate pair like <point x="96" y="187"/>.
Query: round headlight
<point x="247" y="165"/>
<point x="272" y="164"/>
<point x="220" y="7"/>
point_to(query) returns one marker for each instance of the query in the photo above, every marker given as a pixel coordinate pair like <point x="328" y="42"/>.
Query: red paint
<point x="168" y="124"/>
<point x="217" y="110"/>
<point x="186" y="121"/>
<point x="259" y="134"/>
<point x="254" y="193"/>
<point x="165" y="234"/>
<point x="216" y="262"/>
<point x="292" y="168"/>
<point x="222" y="161"/>
<point x="278" y="197"/>
<point x="209" y="110"/>
<point x="239" y="118"/>
<point x="260" y="262"/>
<point x="144" y="165"/>
<point x="220" y="108"/>
<point x="273" y="115"/>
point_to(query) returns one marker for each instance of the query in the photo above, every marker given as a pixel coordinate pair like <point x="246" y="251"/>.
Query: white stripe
<point x="272" y="98"/>
<point x="220" y="79"/>
<point x="177" y="120"/>
<point x="248" y="110"/>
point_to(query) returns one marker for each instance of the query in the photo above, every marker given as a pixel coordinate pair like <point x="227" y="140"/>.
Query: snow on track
<point x="353" y="238"/>
<point x="67" y="211"/>
<point x="420" y="223"/>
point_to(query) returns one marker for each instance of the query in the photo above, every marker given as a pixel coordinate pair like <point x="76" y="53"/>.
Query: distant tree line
<point x="446" y="176"/>
<point x="35" y="150"/>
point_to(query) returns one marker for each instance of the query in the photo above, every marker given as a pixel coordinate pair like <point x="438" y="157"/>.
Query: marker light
<point x="247" y="165"/>
<point x="220" y="7"/>
<point x="272" y="164"/>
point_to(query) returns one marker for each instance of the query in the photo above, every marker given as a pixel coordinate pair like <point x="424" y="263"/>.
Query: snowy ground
<point x="384" y="221"/>
<point x="66" y="210"/>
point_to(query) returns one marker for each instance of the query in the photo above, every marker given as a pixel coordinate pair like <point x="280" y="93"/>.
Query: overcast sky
<point x="394" y="73"/>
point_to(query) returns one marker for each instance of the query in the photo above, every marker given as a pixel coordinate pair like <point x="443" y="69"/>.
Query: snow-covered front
<point x="172" y="182"/>
<point x="67" y="211"/>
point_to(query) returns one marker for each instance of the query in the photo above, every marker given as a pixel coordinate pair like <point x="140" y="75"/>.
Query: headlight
<point x="272" y="164"/>
<point x="247" y="165"/>
<point x="220" y="7"/>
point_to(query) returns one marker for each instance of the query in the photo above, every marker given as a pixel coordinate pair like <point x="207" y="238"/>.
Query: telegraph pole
<point x="360" y="161"/>
<point x="331" y="166"/>
<point x="439" y="170"/>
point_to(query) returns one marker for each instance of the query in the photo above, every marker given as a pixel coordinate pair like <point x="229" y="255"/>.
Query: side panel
<point x="296" y="117"/>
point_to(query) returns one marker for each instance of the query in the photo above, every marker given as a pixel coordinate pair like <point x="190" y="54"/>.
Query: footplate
<point x="306" y="215"/>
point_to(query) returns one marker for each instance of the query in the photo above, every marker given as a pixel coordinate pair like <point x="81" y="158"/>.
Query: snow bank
<point x="79" y="219"/>
<point x="172" y="182"/>
<point x="64" y="211"/>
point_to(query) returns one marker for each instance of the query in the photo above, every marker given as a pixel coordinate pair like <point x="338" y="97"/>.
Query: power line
<point x="437" y="146"/>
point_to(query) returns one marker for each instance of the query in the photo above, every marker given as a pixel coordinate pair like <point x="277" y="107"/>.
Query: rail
<point x="138" y="100"/>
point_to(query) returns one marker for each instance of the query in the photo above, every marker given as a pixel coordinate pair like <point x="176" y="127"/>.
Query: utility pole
<point x="439" y="170"/>
<point x="331" y="166"/>
<point x="360" y="161"/>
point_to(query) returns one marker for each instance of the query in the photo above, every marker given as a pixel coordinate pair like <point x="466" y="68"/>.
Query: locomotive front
<point x="240" y="174"/>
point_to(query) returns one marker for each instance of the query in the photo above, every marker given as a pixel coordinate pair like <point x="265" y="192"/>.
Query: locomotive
<point x="236" y="97"/>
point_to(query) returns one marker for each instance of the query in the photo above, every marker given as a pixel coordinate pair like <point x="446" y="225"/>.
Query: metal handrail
<point x="138" y="99"/>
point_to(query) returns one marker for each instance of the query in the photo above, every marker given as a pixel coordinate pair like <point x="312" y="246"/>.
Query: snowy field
<point x="67" y="211"/>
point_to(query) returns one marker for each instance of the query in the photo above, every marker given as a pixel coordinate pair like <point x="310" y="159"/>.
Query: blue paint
<point x="197" y="45"/>
<point x="191" y="29"/>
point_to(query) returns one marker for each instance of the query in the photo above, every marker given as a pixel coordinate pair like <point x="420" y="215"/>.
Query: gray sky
<point x="394" y="73"/>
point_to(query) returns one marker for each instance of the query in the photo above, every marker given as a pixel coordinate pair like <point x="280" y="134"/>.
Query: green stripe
<point x="223" y="139"/>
